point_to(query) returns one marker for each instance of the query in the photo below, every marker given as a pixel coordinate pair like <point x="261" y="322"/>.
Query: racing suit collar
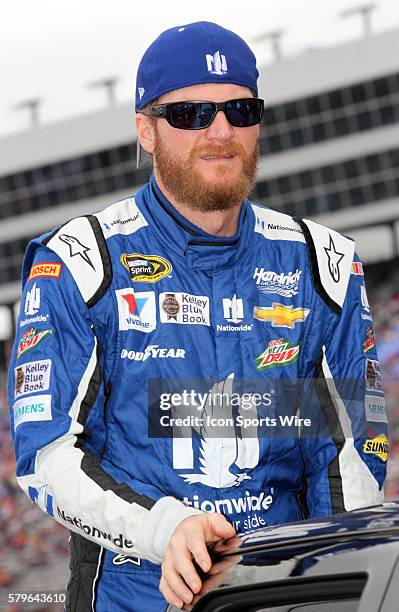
<point x="199" y="249"/>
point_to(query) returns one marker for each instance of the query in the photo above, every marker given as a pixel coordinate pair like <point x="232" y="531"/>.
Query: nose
<point x="220" y="129"/>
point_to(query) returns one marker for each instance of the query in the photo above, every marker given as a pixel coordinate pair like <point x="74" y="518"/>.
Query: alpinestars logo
<point x="334" y="259"/>
<point x="77" y="248"/>
<point x="224" y="460"/>
<point x="216" y="63"/>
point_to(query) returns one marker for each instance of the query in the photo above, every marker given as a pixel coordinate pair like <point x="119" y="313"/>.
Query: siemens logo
<point x="36" y="408"/>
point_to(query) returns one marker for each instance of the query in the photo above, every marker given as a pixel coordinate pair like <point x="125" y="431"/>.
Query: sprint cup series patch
<point x="145" y="268"/>
<point x="31" y="338"/>
<point x="46" y="269"/>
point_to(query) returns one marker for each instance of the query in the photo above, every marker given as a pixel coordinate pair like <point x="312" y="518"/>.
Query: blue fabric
<point x="260" y="483"/>
<point x="200" y="52"/>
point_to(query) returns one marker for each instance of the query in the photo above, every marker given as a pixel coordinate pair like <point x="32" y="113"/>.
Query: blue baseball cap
<point x="200" y="52"/>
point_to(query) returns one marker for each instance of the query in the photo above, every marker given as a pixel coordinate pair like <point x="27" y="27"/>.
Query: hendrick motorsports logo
<point x="269" y="281"/>
<point x="278" y="353"/>
<point x="145" y="268"/>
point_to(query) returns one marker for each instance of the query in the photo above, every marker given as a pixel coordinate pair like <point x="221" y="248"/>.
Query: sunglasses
<point x="197" y="115"/>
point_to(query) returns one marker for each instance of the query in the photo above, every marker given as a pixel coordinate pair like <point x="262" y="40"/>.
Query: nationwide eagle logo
<point x="221" y="449"/>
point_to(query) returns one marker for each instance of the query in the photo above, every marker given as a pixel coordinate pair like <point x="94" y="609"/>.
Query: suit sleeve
<point x="346" y="460"/>
<point x="55" y="382"/>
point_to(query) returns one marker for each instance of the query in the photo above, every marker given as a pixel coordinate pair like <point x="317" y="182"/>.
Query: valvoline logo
<point x="137" y="310"/>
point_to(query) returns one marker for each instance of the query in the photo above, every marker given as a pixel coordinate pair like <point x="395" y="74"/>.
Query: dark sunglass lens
<point x="244" y="113"/>
<point x="191" y="115"/>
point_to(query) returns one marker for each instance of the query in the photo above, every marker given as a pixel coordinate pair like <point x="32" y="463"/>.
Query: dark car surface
<point x="345" y="563"/>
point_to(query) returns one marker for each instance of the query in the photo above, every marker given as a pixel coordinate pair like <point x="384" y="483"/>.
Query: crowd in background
<point x="30" y="541"/>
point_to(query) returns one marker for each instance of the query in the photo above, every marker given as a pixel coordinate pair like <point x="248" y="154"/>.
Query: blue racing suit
<point x="118" y="305"/>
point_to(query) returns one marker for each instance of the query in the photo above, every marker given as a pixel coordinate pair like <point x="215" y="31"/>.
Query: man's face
<point x="209" y="169"/>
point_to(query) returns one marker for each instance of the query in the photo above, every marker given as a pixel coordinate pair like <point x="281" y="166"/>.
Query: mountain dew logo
<point x="31" y="338"/>
<point x="278" y="353"/>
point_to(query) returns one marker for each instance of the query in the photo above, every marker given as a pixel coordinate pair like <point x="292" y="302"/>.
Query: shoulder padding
<point x="331" y="256"/>
<point x="81" y="245"/>
<point x="275" y="225"/>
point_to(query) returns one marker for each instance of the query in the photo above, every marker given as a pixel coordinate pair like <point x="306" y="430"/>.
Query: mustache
<point x="229" y="149"/>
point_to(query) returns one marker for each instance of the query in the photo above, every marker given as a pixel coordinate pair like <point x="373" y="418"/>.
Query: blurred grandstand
<point x="330" y="151"/>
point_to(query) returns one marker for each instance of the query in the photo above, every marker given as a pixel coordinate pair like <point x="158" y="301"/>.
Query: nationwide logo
<point x="357" y="268"/>
<point x="38" y="319"/>
<point x="184" y="308"/>
<point x="121" y="222"/>
<point x="334" y="259"/>
<point x="282" y="284"/>
<point x="32" y="301"/>
<point x="369" y="341"/>
<point x="95" y="532"/>
<point x="137" y="310"/>
<point x="366" y="315"/>
<point x="377" y="446"/>
<point x="31" y="338"/>
<point x="145" y="268"/>
<point x="216" y="63"/>
<point x="233" y="312"/>
<point x="46" y="269"/>
<point x="232" y="505"/>
<point x="273" y="226"/>
<point x="281" y="316"/>
<point x="278" y="353"/>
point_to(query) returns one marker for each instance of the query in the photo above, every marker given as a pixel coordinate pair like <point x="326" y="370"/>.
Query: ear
<point x="145" y="132"/>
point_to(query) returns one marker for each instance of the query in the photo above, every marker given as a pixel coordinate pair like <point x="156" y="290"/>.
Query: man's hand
<point x="180" y="581"/>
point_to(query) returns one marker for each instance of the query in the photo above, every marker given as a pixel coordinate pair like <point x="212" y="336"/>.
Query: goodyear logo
<point x="45" y="269"/>
<point x="281" y="316"/>
<point x="377" y="446"/>
<point x="145" y="268"/>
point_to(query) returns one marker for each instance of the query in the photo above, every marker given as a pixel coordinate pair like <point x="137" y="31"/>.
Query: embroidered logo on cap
<point x="217" y="64"/>
<point x="141" y="91"/>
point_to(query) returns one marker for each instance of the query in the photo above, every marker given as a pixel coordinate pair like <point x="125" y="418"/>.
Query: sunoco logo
<point x="377" y="446"/>
<point x="145" y="268"/>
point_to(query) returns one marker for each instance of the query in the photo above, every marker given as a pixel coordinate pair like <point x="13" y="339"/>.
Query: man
<point x="188" y="280"/>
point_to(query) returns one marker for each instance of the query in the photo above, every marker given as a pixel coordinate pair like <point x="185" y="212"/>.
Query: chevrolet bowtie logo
<point x="280" y="315"/>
